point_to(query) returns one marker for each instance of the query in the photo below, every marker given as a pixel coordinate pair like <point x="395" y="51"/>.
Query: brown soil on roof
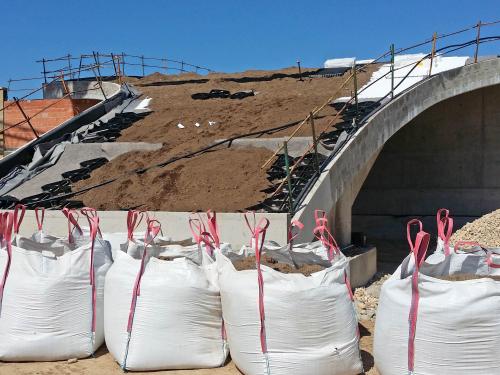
<point x="281" y="99"/>
<point x="223" y="180"/>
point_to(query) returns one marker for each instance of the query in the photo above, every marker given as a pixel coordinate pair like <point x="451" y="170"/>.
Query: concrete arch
<point x="340" y="182"/>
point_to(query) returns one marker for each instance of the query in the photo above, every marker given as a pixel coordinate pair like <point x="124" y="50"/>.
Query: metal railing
<point x="293" y="184"/>
<point x="61" y="78"/>
<point x="109" y="65"/>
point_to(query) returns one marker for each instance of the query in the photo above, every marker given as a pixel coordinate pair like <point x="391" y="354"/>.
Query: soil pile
<point x="485" y="231"/>
<point x="248" y="263"/>
<point x="221" y="180"/>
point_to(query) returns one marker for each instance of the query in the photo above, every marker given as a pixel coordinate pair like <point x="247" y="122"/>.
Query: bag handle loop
<point x="18" y="219"/>
<point x="72" y="216"/>
<point x="8" y="220"/>
<point x="294" y="224"/>
<point x="418" y="248"/>
<point x="259" y="235"/>
<point x="40" y="217"/>
<point x="445" y="228"/>
<point x="134" y="219"/>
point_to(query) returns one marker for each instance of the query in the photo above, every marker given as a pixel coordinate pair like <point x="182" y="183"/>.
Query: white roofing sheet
<point x="402" y="65"/>
<point x="346" y="62"/>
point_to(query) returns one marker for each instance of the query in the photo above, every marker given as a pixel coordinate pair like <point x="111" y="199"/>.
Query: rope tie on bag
<point x="200" y="234"/>
<point x="72" y="216"/>
<point x="212" y="227"/>
<point x="322" y="233"/>
<point x="90" y="213"/>
<point x="134" y="219"/>
<point x="7" y="224"/>
<point x="444" y="228"/>
<point x="251" y="222"/>
<point x="152" y="231"/>
<point x="294" y="224"/>
<point x="419" y="249"/>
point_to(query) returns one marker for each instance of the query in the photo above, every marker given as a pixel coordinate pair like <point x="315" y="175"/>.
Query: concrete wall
<point x="232" y="226"/>
<point x="337" y="187"/>
<point x="57" y="111"/>
<point x="24" y="154"/>
<point x="448" y="156"/>
<point x="80" y="89"/>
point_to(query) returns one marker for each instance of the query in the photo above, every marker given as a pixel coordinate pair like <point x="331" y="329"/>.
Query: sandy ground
<point x="281" y="99"/>
<point x="103" y="363"/>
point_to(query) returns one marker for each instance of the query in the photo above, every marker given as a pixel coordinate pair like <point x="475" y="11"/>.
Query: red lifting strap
<point x="444" y="228"/>
<point x="72" y="217"/>
<point x="18" y="220"/>
<point x="294" y="224"/>
<point x="40" y="218"/>
<point x="94" y="229"/>
<point x="212" y="227"/>
<point x="153" y="228"/>
<point x="7" y="226"/>
<point x="419" y="250"/>
<point x="259" y="236"/>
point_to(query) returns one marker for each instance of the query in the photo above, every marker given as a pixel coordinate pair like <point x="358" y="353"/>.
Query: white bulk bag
<point x="462" y="252"/>
<point x="288" y="323"/>
<point x="163" y="314"/>
<point x="427" y="325"/>
<point x="51" y="304"/>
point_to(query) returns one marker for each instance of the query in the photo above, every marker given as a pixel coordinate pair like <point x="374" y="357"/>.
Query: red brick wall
<point x="59" y="111"/>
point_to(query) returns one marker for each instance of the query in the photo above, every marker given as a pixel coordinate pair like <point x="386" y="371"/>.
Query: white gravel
<point x="367" y="297"/>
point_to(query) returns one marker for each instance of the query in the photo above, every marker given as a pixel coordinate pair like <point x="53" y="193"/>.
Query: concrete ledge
<point x="83" y="89"/>
<point x="71" y="158"/>
<point x="174" y="224"/>
<point x="362" y="265"/>
<point x="296" y="147"/>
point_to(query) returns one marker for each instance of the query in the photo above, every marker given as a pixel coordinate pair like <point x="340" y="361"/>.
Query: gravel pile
<point x="485" y="230"/>
<point x="367" y="297"/>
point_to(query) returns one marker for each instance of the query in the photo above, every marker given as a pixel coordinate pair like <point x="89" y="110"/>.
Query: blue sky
<point x="227" y="35"/>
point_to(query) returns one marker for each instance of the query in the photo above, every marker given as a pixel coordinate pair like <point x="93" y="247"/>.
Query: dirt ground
<point x="248" y="263"/>
<point x="232" y="180"/>
<point x="103" y="363"/>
